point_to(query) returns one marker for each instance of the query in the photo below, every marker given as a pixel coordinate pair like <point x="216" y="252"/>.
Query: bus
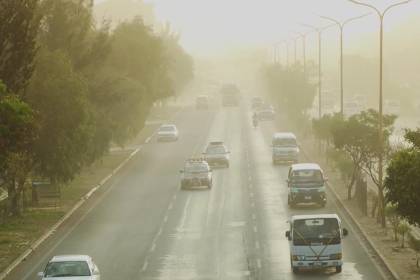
<point x="315" y="242"/>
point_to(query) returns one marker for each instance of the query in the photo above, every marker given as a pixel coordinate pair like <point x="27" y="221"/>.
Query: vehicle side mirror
<point x="95" y="271"/>
<point x="40" y="274"/>
<point x="345" y="232"/>
<point x="288" y="236"/>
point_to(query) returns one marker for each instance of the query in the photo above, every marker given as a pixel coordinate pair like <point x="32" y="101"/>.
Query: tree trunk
<point x="381" y="208"/>
<point x="375" y="205"/>
<point x="350" y="186"/>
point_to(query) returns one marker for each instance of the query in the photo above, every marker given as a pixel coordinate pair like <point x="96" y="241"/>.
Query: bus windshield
<point x="310" y="231"/>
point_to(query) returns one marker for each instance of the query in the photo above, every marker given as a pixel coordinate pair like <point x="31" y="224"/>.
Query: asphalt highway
<point x="142" y="226"/>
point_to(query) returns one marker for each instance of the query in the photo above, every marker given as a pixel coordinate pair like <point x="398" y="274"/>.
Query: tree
<point x="372" y="147"/>
<point x="60" y="96"/>
<point x="290" y="89"/>
<point x="17" y="133"/>
<point x="351" y="136"/>
<point x="415" y="245"/>
<point x="19" y="25"/>
<point x="393" y="217"/>
<point x="402" y="183"/>
<point x="403" y="230"/>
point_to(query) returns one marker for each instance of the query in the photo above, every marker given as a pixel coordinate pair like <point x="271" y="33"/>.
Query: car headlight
<point x="298" y="258"/>
<point x="336" y="256"/>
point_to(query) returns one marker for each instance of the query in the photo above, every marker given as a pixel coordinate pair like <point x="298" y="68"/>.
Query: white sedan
<point x="167" y="132"/>
<point x="74" y="267"/>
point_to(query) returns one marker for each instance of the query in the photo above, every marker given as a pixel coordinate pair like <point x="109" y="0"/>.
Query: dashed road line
<point x="145" y="265"/>
<point x="259" y="264"/>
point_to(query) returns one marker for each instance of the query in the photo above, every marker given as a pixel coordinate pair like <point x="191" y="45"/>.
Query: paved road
<point x="141" y="226"/>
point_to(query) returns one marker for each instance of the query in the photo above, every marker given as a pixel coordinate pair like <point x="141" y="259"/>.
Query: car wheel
<point x="338" y="269"/>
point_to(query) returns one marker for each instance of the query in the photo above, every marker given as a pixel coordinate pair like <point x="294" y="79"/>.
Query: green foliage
<point x="290" y="89"/>
<point x="413" y="136"/>
<point x="18" y="32"/>
<point x="60" y="95"/>
<point x="402" y="183"/>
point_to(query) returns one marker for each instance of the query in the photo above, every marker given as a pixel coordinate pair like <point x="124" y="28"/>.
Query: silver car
<point x="70" y="267"/>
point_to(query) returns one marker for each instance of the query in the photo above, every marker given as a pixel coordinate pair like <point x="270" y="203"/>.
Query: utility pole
<point x="319" y="31"/>
<point x="341" y="26"/>
<point x="381" y="15"/>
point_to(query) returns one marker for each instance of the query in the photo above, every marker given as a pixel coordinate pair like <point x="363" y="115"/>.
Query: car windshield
<point x="216" y="150"/>
<point x="196" y="167"/>
<point x="307" y="176"/>
<point x="67" y="269"/>
<point x="167" y="128"/>
<point x="284" y="142"/>
<point x="310" y="231"/>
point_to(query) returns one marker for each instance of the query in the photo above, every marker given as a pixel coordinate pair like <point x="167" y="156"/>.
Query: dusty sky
<point x="215" y="25"/>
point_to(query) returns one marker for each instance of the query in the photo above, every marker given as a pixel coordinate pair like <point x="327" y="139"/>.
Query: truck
<point x="315" y="242"/>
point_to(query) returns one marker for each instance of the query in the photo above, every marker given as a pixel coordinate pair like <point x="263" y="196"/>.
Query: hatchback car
<point x="217" y="154"/>
<point x="74" y="267"/>
<point x="167" y="132"/>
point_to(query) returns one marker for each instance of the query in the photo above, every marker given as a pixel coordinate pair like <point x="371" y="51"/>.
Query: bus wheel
<point x="338" y="269"/>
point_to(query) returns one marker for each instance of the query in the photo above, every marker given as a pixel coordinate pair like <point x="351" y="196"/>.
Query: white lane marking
<point x="152" y="249"/>
<point x="148" y="140"/>
<point x="255" y="229"/>
<point x="249" y="178"/>
<point x="252" y="204"/>
<point x="259" y="265"/>
<point x="185" y="212"/>
<point x="145" y="265"/>
<point x="257" y="245"/>
<point x="174" y="197"/>
<point x="165" y="219"/>
<point x="251" y="194"/>
<point x="171" y="206"/>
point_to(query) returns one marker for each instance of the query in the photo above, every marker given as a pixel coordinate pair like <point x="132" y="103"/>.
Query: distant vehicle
<point x="392" y="107"/>
<point x="352" y="108"/>
<point x="196" y="173"/>
<point x="266" y="114"/>
<point x="230" y="95"/>
<point x="217" y="154"/>
<point x="202" y="102"/>
<point x="167" y="132"/>
<point x="256" y="103"/>
<point x="306" y="184"/>
<point x="75" y="267"/>
<point x="285" y="148"/>
<point x="315" y="242"/>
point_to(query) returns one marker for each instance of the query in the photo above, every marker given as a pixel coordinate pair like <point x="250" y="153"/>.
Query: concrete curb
<point x="339" y="201"/>
<point x="53" y="229"/>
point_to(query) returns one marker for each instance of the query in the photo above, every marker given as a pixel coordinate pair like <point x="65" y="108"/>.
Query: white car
<point x="217" y="154"/>
<point x="167" y="132"/>
<point x="70" y="267"/>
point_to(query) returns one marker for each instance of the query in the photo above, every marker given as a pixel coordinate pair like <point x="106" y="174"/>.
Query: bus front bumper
<point x="317" y="264"/>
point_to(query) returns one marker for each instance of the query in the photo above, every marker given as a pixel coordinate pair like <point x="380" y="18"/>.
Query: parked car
<point x="266" y="114"/>
<point x="70" y="267"/>
<point x="167" y="132"/>
<point x="306" y="184"/>
<point x="285" y="148"/>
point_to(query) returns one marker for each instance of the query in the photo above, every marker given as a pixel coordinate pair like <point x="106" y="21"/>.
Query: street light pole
<point x="303" y="36"/>
<point x="341" y="26"/>
<point x="319" y="30"/>
<point x="381" y="15"/>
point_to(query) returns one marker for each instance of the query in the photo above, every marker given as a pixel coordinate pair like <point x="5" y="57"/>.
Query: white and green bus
<point x="316" y="242"/>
